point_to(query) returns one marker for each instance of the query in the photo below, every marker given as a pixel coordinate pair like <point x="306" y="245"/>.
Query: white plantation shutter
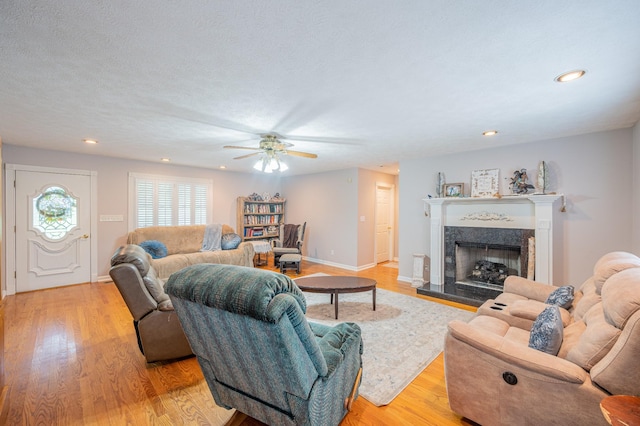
<point x="164" y="207"/>
<point x="184" y="204"/>
<point x="201" y="202"/>
<point x="144" y="203"/>
<point x="167" y="201"/>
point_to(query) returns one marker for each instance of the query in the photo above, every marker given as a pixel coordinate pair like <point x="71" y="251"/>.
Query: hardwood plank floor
<point x="72" y="359"/>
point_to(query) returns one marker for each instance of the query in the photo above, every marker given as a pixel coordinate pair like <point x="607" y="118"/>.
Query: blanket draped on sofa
<point x="212" y="237"/>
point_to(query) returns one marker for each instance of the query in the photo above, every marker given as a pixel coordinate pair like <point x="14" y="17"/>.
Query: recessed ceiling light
<point x="90" y="141"/>
<point x="166" y="160"/>
<point x="570" y="76"/>
<point x="223" y="167"/>
<point x="490" y="133"/>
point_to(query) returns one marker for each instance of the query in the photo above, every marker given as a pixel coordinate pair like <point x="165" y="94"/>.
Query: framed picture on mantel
<point x="453" y="189"/>
<point x="485" y="183"/>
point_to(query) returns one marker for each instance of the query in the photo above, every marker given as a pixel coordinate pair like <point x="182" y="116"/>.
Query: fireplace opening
<point x="473" y="252"/>
<point x="486" y="265"/>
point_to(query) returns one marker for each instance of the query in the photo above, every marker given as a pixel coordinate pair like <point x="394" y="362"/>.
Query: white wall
<point x="332" y="203"/>
<point x="328" y="203"/>
<point x="113" y="188"/>
<point x="594" y="171"/>
<point x="635" y="227"/>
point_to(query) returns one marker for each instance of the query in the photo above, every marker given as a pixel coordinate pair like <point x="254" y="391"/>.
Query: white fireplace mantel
<point x="523" y="211"/>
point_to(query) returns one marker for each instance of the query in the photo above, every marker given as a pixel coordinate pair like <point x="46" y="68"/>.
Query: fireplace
<point x="497" y="234"/>
<point x="477" y="260"/>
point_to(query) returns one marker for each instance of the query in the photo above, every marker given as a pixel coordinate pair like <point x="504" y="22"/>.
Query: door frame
<point x="392" y="220"/>
<point x="9" y="271"/>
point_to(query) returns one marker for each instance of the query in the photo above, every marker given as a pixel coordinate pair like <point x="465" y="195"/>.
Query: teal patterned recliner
<point x="256" y="349"/>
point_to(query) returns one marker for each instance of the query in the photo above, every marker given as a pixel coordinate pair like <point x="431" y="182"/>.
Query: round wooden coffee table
<point x="336" y="284"/>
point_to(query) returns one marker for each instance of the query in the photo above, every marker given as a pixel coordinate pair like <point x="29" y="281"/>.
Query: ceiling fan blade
<point x="245" y="156"/>
<point x="241" y="147"/>
<point x="301" y="154"/>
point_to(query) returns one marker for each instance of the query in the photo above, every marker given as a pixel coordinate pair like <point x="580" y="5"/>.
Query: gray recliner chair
<point x="257" y="351"/>
<point x="160" y="335"/>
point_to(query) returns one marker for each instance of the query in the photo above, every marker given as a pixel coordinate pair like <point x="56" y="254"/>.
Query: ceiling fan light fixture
<point x="259" y="166"/>
<point x="269" y="164"/>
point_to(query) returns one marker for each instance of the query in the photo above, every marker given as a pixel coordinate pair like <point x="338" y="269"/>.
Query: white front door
<point x="383" y="223"/>
<point x="53" y="223"/>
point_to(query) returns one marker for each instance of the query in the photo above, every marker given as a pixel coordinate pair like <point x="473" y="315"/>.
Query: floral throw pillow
<point x="562" y="296"/>
<point x="546" y="331"/>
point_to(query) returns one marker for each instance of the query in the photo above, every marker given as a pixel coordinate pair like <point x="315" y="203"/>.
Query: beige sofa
<point x="183" y="248"/>
<point x="494" y="377"/>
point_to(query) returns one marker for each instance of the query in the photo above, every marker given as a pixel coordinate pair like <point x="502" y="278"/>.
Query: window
<point x="167" y="200"/>
<point x="55" y="213"/>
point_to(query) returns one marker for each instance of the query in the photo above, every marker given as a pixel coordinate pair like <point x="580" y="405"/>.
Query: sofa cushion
<point x="561" y="296"/>
<point x="570" y="337"/>
<point x="155" y="286"/>
<point x="596" y="341"/>
<point x="588" y="299"/>
<point x="546" y="331"/>
<point x="607" y="269"/>
<point x="155" y="248"/>
<point x="530" y="309"/>
<point x="621" y="297"/>
<point x="230" y="241"/>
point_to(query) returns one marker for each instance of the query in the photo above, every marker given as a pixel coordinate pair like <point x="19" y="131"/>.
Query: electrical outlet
<point x="111" y="218"/>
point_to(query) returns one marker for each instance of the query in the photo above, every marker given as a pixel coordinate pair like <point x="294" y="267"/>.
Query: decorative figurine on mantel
<point x="440" y="185"/>
<point x="519" y="182"/>
<point x="543" y="179"/>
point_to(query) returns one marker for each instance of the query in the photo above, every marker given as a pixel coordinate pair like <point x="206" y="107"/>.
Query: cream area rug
<point x="400" y="338"/>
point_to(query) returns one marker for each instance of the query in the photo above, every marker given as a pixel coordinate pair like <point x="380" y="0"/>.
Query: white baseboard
<point x="104" y="278"/>
<point x="340" y="265"/>
<point x="404" y="279"/>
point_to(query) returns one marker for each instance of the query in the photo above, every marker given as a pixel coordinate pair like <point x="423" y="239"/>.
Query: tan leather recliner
<point x="160" y="335"/>
<point x="493" y="377"/>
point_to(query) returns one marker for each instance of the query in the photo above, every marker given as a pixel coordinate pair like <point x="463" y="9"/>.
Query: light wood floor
<point x="72" y="359"/>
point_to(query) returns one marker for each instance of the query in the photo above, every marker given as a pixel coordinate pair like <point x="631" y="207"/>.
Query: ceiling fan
<point x="270" y="143"/>
<point x="270" y="148"/>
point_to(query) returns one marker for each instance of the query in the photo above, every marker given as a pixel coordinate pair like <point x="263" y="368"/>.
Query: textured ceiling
<point x="360" y="83"/>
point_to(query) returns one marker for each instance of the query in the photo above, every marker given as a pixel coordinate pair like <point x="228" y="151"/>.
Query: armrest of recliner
<point x="516" y="354"/>
<point x="527" y="288"/>
<point x="335" y="342"/>
<point x="530" y="309"/>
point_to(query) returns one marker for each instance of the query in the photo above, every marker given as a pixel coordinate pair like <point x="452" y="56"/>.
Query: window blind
<point x="167" y="201"/>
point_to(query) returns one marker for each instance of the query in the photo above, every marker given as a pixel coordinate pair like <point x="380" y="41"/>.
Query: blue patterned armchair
<point x="257" y="351"/>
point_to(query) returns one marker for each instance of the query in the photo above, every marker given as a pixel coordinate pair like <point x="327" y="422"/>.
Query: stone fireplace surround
<point x="533" y="214"/>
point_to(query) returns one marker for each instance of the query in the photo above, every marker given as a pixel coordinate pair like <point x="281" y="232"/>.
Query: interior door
<point x="53" y="222"/>
<point x="383" y="224"/>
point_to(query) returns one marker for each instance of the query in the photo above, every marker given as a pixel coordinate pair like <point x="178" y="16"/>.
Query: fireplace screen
<point x="484" y="257"/>
<point x="485" y="264"/>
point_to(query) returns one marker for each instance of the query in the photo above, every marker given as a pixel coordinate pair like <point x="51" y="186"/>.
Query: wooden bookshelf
<point x="260" y="220"/>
